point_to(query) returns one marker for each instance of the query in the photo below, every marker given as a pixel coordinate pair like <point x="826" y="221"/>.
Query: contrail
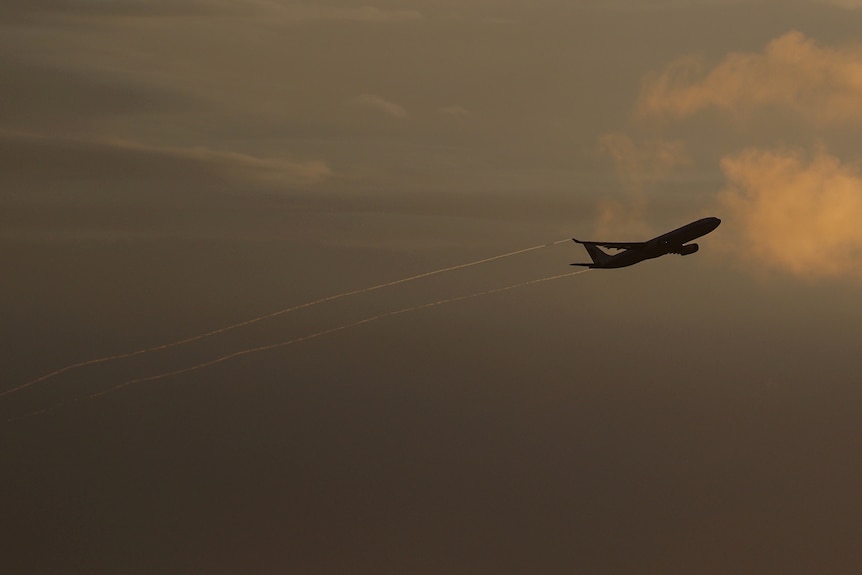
<point x="329" y="331"/>
<point x="267" y="316"/>
<point x="303" y="338"/>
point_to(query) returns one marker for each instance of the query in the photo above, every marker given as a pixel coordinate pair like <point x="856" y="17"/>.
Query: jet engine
<point x="688" y="249"/>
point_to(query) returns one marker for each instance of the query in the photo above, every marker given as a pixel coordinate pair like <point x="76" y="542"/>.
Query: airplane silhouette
<point x="674" y="242"/>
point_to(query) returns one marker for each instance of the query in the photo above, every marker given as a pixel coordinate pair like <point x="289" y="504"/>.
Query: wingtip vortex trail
<point x="260" y="318"/>
<point x="330" y="331"/>
<point x="293" y="341"/>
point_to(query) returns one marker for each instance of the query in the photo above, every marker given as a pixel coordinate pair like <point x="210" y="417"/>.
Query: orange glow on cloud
<point x="820" y="84"/>
<point x="797" y="214"/>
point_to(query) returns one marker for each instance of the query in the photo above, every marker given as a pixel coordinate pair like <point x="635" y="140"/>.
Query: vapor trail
<point x="293" y="341"/>
<point x="267" y="316"/>
<point x="329" y="331"/>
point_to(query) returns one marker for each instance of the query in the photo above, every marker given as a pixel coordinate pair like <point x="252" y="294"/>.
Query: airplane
<point x="674" y="242"/>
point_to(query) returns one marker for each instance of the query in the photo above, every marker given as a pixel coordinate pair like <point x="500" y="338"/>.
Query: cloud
<point x="56" y="97"/>
<point x="102" y="8"/>
<point x="820" y="84"/>
<point x="286" y="11"/>
<point x="358" y="14"/>
<point x="639" y="164"/>
<point x="385" y="106"/>
<point x="796" y="213"/>
<point x="276" y="170"/>
<point x="622" y="219"/>
<point x="35" y="158"/>
<point x="279" y="11"/>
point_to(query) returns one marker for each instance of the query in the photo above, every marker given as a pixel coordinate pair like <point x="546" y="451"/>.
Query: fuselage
<point x="671" y="242"/>
<point x="689" y="232"/>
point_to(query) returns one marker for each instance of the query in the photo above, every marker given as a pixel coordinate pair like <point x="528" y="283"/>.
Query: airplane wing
<point x="616" y="245"/>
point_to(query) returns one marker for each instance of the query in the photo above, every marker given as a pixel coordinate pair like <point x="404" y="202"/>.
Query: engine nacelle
<point x="688" y="249"/>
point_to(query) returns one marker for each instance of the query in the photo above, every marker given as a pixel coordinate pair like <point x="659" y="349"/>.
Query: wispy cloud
<point x="36" y="157"/>
<point x="273" y="10"/>
<point x="277" y="170"/>
<point x="640" y="163"/>
<point x="821" y="84"/>
<point x="385" y="106"/>
<point x="794" y="212"/>
<point x="301" y="11"/>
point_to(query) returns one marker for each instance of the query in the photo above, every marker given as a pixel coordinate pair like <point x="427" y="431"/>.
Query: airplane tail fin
<point x="599" y="257"/>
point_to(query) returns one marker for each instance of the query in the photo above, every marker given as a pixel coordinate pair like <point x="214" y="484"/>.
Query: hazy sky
<point x="168" y="168"/>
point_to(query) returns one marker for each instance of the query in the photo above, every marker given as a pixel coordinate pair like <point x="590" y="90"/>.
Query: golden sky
<point x="170" y="167"/>
<point x="578" y="105"/>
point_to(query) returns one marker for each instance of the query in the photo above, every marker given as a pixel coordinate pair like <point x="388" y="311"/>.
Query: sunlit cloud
<point x="796" y="213"/>
<point x="385" y="106"/>
<point x="818" y="83"/>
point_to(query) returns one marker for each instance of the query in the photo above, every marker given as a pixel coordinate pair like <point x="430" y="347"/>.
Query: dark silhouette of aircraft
<point x="674" y="242"/>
